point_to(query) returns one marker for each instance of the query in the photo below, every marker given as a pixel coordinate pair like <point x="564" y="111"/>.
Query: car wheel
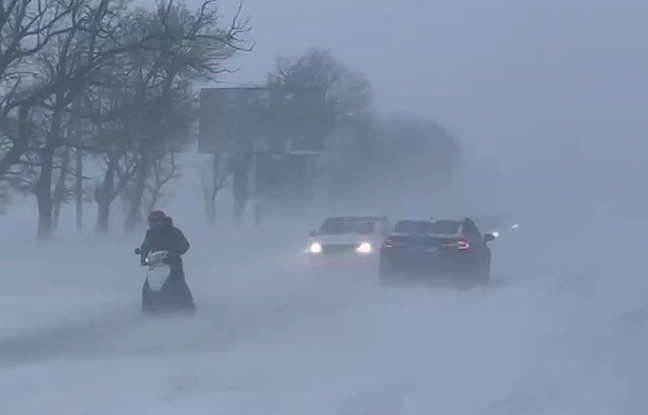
<point x="484" y="275"/>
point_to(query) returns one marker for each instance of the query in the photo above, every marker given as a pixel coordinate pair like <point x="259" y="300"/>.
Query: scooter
<point x="156" y="296"/>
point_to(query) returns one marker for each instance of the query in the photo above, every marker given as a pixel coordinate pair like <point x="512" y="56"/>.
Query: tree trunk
<point x="44" y="193"/>
<point x="103" y="215"/>
<point x="60" y="189"/>
<point x="210" y="208"/>
<point x="155" y="188"/>
<point x="155" y="197"/>
<point x="20" y="145"/>
<point x="104" y="198"/>
<point x="134" y="215"/>
<point x="78" y="190"/>
<point x="43" y="188"/>
<point x="241" y="186"/>
<point x="75" y="134"/>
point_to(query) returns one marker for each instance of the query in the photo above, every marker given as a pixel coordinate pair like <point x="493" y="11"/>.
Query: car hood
<point x="344" y="239"/>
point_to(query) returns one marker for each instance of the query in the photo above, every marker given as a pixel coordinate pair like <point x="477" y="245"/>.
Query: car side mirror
<point x="489" y="237"/>
<point x="138" y="251"/>
<point x="312" y="234"/>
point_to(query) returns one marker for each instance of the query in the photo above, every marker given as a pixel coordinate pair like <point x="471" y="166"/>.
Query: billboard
<point x="262" y="119"/>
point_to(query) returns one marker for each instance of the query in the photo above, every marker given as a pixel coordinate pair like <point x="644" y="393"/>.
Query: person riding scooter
<point x="162" y="235"/>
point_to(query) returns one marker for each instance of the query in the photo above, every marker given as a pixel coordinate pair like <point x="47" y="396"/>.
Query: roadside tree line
<point x="109" y="88"/>
<point x="107" y="84"/>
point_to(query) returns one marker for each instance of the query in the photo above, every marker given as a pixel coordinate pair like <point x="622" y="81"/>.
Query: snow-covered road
<point x="273" y="339"/>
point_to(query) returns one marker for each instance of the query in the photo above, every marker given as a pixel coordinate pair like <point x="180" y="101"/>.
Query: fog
<point x="548" y="99"/>
<point x="522" y="81"/>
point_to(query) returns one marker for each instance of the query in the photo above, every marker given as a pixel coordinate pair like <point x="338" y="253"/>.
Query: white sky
<point x="552" y="80"/>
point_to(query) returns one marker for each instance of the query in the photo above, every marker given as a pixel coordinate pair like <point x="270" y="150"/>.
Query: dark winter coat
<point x="169" y="238"/>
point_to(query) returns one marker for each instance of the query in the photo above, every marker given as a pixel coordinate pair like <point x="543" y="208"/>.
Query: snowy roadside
<point x="79" y="275"/>
<point x="569" y="342"/>
<point x="521" y="348"/>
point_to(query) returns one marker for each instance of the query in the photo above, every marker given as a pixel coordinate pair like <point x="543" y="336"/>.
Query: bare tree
<point x="115" y="112"/>
<point x="62" y="193"/>
<point x="68" y="65"/>
<point x="27" y="27"/>
<point x="423" y="147"/>
<point x="192" y="46"/>
<point x="213" y="177"/>
<point x="74" y="45"/>
<point x="360" y="142"/>
<point x="348" y="92"/>
<point x="119" y="169"/>
<point x="163" y="171"/>
<point x="166" y="123"/>
<point x="417" y="151"/>
<point x="74" y="128"/>
<point x="348" y="98"/>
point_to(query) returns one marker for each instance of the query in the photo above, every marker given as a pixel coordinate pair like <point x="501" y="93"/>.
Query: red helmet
<point x="157" y="219"/>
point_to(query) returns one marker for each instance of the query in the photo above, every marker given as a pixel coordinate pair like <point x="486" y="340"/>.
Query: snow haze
<point x="549" y="100"/>
<point x="561" y="330"/>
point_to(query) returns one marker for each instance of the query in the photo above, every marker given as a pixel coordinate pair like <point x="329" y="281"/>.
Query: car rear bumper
<point x="432" y="266"/>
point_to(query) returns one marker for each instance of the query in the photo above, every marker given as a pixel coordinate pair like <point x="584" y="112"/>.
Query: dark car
<point x="436" y="248"/>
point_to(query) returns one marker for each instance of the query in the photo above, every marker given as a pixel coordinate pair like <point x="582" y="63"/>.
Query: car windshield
<point x="445" y="227"/>
<point x="413" y="227"/>
<point x="342" y="225"/>
<point x="422" y="227"/>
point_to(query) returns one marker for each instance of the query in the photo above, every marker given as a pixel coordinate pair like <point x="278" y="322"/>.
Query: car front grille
<point x="333" y="249"/>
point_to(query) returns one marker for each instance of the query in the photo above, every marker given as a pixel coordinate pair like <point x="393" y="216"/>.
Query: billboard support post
<point x="249" y="122"/>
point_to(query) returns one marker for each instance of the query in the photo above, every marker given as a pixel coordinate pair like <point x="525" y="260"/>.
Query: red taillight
<point x="463" y="245"/>
<point x="459" y="245"/>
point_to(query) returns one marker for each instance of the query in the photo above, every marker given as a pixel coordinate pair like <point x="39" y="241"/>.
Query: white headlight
<point x="495" y="234"/>
<point x="364" y="248"/>
<point x="315" y="248"/>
